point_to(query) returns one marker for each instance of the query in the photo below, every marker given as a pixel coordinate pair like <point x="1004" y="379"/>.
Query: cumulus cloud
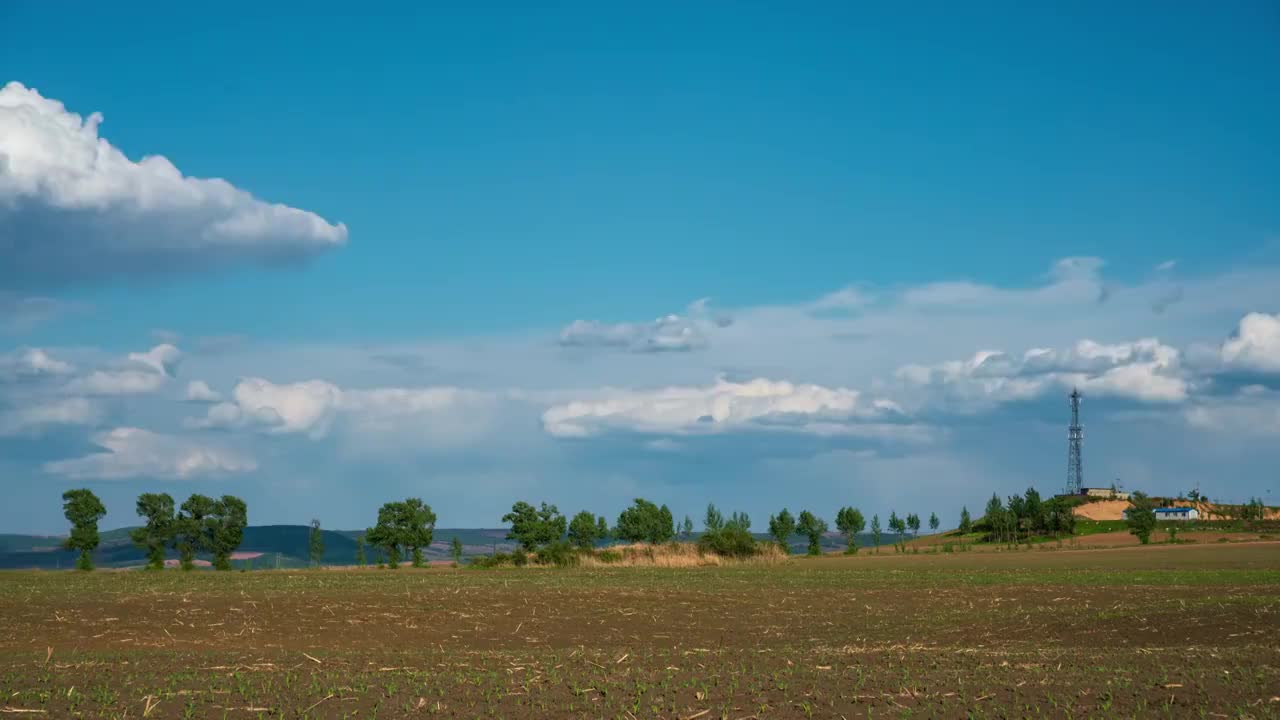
<point x="141" y="373"/>
<point x="1255" y="345"/>
<point x="31" y="363"/>
<point x="33" y="417"/>
<point x="724" y="405"/>
<point x="198" y="391"/>
<point x="432" y="415"/>
<point x="137" y="453"/>
<point x="75" y="208"/>
<point x="162" y="359"/>
<point x="1142" y="370"/>
<point x="1253" y="411"/>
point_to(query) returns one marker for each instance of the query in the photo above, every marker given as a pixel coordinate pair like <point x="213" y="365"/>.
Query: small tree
<point x="850" y="522"/>
<point x="713" y="520"/>
<point x="83" y="510"/>
<point x="533" y="527"/>
<point x="875" y="531"/>
<point x="602" y="528"/>
<point x="315" y="543"/>
<point x="995" y="517"/>
<point x="584" y="531"/>
<point x="645" y="522"/>
<point x="157" y="532"/>
<point x="1141" y="517"/>
<point x="686" y="528"/>
<point x="966" y="524"/>
<point x="455" y="549"/>
<point x="813" y="527"/>
<point x="782" y="526"/>
<point x="898" y="526"/>
<point x="360" y="556"/>
<point x="913" y="522"/>
<point x="933" y="522"/>
<point x="739" y="520"/>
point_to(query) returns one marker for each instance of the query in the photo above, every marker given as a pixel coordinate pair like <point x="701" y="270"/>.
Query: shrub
<point x="609" y="556"/>
<point x="519" y="557"/>
<point x="731" y="540"/>
<point x="559" y="553"/>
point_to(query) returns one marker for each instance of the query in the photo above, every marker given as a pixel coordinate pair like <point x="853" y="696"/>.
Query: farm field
<point x="1159" y="631"/>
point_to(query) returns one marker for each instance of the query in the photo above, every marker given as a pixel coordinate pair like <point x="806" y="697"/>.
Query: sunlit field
<point x="1175" y="631"/>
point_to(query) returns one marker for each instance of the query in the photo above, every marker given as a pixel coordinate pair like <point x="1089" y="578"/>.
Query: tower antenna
<point x="1075" y="439"/>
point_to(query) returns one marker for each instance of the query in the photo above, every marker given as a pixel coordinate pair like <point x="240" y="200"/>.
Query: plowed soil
<point x="1181" y="631"/>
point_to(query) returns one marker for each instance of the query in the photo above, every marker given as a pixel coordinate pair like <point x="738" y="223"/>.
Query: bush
<point x="732" y="540"/>
<point x="519" y="557"/>
<point x="609" y="556"/>
<point x="559" y="553"/>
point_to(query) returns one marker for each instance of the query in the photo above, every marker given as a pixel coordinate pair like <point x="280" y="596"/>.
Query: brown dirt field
<point x="1138" y="632"/>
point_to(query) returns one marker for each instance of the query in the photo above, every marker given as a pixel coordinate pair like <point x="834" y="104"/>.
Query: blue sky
<point x="863" y="194"/>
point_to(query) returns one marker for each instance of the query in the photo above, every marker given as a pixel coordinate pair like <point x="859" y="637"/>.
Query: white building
<point x="1177" y="513"/>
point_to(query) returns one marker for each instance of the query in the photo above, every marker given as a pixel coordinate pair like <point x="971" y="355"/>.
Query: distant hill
<point x="269" y="546"/>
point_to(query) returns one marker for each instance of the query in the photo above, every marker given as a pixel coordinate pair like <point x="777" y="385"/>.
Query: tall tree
<point x="157" y="532"/>
<point x="995" y="517"/>
<point x="645" y="522"/>
<point x="913" y="522"/>
<point x="782" y="526"/>
<point x="417" y="526"/>
<point x="850" y="522"/>
<point x="1141" y="517"/>
<point x="533" y="527"/>
<point x="966" y="523"/>
<point x="875" y="531"/>
<point x="192" y="529"/>
<point x="315" y="543"/>
<point x="386" y="534"/>
<point x="584" y="530"/>
<point x="812" y="527"/>
<point x="83" y="510"/>
<point x="225" y="529"/>
<point x="933" y="522"/>
<point x="897" y="526"/>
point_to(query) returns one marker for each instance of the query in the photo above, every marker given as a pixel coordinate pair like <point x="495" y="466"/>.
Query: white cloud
<point x="1254" y="411"/>
<point x="30" y="363"/>
<point x="1166" y="266"/>
<point x="117" y="382"/>
<point x="73" y="207"/>
<point x="665" y="334"/>
<point x="1255" y="344"/>
<point x="198" y="391"/>
<point x="302" y="407"/>
<point x="136" y="453"/>
<point x="162" y="358"/>
<point x="725" y="405"/>
<point x="1143" y="370"/>
<point x="33" y="417"/>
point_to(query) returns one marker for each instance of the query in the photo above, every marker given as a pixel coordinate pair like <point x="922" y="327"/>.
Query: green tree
<point x="812" y="527"/>
<point x="782" y="526"/>
<point x="913" y="522"/>
<point x="83" y="510"/>
<point x="850" y="522"/>
<point x="533" y="527"/>
<point x="455" y="549"/>
<point x="645" y="522"/>
<point x="584" y="530"/>
<point x="897" y="526"/>
<point x="713" y="520"/>
<point x="933" y="522"/>
<point x="995" y="517"/>
<point x="360" y="556"/>
<point x="192" y="531"/>
<point x="875" y="531"/>
<point x="225" y="528"/>
<point x="158" y="530"/>
<point x="1141" y="517"/>
<point x="315" y="543"/>
<point x="739" y="520"/>
<point x="966" y="523"/>
<point x="602" y="528"/>
<point x="686" y="528"/>
<point x="418" y="525"/>
<point x="386" y="534"/>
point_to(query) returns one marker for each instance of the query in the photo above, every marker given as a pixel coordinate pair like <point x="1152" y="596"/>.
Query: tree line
<point x="404" y="529"/>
